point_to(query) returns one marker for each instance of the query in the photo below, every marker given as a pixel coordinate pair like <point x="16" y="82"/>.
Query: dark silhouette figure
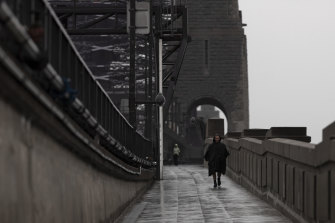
<point x="176" y="152"/>
<point x="216" y="156"/>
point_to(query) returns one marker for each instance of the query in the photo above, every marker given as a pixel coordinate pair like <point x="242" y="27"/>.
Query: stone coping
<point x="306" y="153"/>
<point x="294" y="133"/>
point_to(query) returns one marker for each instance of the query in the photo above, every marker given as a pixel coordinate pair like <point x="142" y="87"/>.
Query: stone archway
<point x="215" y="67"/>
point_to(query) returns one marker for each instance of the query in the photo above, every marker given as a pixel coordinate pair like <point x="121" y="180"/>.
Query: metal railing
<point x="57" y="48"/>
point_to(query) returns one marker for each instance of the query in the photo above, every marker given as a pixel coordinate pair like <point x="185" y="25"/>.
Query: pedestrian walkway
<point x="187" y="195"/>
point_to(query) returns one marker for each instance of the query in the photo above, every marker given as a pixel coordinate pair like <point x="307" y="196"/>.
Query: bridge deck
<point x="187" y="195"/>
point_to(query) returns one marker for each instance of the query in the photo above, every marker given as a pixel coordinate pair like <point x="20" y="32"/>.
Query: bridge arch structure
<point x="214" y="69"/>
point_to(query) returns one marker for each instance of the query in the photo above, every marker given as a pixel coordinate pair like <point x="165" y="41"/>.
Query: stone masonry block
<point x="255" y="133"/>
<point x="290" y="184"/>
<point x="238" y="160"/>
<point x="287" y="131"/>
<point x="256" y="169"/>
<point x="243" y="162"/>
<point x="275" y="174"/>
<point x="299" y="189"/>
<point x="235" y="135"/>
<point x="215" y="126"/>
<point x="332" y="195"/>
<point x="264" y="169"/>
<point x="269" y="175"/>
<point x="295" y="133"/>
<point x="259" y="172"/>
<point x="282" y="179"/>
<point x="309" y="196"/>
<point x="252" y="168"/>
<point x="328" y="132"/>
<point x="322" y="195"/>
<point x="247" y="166"/>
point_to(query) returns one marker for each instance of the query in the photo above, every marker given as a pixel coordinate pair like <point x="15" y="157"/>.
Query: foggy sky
<point x="291" y="56"/>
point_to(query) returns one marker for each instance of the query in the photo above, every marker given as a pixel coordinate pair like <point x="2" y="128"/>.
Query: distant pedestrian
<point x="176" y="152"/>
<point x="216" y="156"/>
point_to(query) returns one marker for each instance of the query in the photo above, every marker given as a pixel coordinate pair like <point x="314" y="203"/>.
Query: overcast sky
<point x="291" y="56"/>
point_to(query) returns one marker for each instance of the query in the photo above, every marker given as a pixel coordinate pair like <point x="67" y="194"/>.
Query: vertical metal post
<point x="74" y="14"/>
<point x="148" y="107"/>
<point x="132" y="108"/>
<point x="149" y="117"/>
<point x="146" y="90"/>
<point x="174" y="113"/>
<point x="160" y="89"/>
<point x="178" y="119"/>
<point x="158" y="14"/>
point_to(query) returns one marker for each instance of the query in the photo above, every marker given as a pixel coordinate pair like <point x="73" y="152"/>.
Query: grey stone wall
<point x="296" y="177"/>
<point x="214" y="70"/>
<point x="48" y="175"/>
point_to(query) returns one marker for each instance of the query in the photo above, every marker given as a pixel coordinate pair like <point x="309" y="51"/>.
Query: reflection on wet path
<point x="187" y="195"/>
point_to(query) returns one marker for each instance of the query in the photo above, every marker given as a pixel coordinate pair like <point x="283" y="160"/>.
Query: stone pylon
<point x="214" y="70"/>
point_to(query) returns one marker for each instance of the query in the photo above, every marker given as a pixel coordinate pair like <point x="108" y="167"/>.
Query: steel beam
<point x="64" y="16"/>
<point x="90" y="10"/>
<point x="173" y="31"/>
<point x="97" y="31"/>
<point x="172" y="37"/>
<point x="145" y="102"/>
<point x="170" y="52"/>
<point x="95" y="21"/>
<point x="177" y="67"/>
<point x="168" y="23"/>
<point x="168" y="74"/>
<point x="168" y="63"/>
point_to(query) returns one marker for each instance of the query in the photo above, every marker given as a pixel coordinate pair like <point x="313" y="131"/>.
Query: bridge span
<point x="74" y="149"/>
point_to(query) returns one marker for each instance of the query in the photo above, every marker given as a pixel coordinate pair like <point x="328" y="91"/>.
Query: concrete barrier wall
<point x="296" y="177"/>
<point x="48" y="175"/>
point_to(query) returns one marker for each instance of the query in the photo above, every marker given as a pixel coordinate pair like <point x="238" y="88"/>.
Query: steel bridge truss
<point x="168" y="22"/>
<point x="36" y="49"/>
<point x="53" y="62"/>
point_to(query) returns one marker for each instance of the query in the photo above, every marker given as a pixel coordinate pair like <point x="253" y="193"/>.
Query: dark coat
<point x="216" y="156"/>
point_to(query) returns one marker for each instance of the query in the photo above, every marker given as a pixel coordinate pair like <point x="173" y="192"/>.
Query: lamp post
<point x="132" y="30"/>
<point x="160" y="101"/>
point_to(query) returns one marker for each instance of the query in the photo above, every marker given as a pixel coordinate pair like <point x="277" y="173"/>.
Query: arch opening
<point x="191" y="129"/>
<point x="208" y="107"/>
<point x="198" y="113"/>
<point x="208" y="111"/>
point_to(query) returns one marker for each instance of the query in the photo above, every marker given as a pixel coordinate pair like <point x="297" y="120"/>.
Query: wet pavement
<point x="187" y="195"/>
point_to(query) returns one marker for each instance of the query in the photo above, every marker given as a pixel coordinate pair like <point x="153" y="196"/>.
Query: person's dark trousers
<point x="175" y="159"/>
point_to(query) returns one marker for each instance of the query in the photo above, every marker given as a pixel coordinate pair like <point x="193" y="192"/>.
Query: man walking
<point x="216" y="156"/>
<point x="176" y="152"/>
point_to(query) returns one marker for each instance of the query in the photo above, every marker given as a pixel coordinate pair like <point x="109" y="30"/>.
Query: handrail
<point x="64" y="32"/>
<point x="93" y="102"/>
